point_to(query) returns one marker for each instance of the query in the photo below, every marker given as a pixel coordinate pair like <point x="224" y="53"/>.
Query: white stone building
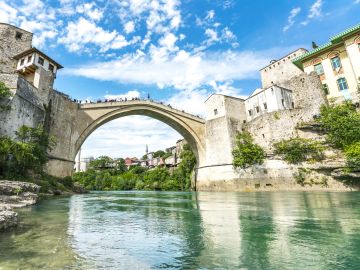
<point x="281" y="70"/>
<point x="83" y="164"/>
<point x="268" y="100"/>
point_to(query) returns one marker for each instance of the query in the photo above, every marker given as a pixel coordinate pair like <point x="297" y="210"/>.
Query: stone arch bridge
<point x="71" y="123"/>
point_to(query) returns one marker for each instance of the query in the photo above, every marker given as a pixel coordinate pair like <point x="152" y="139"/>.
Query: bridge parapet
<point x="158" y="105"/>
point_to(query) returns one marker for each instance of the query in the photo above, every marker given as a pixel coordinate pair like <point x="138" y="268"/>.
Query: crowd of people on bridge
<point x="88" y="101"/>
<point x="105" y="100"/>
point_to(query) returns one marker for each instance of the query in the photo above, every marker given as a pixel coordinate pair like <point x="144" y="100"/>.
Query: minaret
<point x="78" y="162"/>
<point x="146" y="150"/>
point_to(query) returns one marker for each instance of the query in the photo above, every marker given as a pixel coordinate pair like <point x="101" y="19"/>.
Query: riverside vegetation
<point x="105" y="173"/>
<point x="341" y="125"/>
<point x="23" y="158"/>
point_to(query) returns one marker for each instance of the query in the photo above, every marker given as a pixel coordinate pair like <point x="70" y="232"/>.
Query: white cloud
<point x="293" y="13"/>
<point x="8" y="14"/>
<point x="168" y="41"/>
<point x="212" y="36"/>
<point x="314" y="12"/>
<point x="182" y="71"/>
<point x="83" y="32"/>
<point x="90" y="10"/>
<point x="210" y="15"/>
<point x="128" y="136"/>
<point x="129" y="27"/>
<point x="129" y="95"/>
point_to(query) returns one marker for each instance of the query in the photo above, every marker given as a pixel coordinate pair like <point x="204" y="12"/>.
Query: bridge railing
<point x="86" y="103"/>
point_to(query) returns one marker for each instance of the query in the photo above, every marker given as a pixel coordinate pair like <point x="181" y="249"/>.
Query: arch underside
<point x="171" y="119"/>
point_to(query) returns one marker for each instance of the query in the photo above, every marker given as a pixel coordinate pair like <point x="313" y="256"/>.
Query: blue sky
<point x="178" y="51"/>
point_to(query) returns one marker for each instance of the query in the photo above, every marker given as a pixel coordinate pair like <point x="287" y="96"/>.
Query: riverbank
<point x="17" y="194"/>
<point x="14" y="194"/>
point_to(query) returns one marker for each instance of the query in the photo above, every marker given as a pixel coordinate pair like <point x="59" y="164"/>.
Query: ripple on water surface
<point x="183" y="230"/>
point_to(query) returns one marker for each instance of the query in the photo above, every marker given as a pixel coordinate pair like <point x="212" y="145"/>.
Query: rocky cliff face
<point x="14" y="194"/>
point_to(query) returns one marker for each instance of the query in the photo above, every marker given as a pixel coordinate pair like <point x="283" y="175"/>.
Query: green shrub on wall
<point x="352" y="154"/>
<point x="298" y="150"/>
<point x="246" y="153"/>
<point x="4" y="91"/>
<point x="341" y="124"/>
<point x="28" y="153"/>
<point x="4" y="94"/>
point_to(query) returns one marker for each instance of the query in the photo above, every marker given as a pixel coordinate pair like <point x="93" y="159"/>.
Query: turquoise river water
<point x="184" y="230"/>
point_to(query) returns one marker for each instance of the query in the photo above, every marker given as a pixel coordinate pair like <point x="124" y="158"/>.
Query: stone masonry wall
<point x="24" y="109"/>
<point x="273" y="127"/>
<point x="10" y="46"/>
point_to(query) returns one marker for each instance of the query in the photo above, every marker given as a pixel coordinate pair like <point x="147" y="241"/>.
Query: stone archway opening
<point x="128" y="137"/>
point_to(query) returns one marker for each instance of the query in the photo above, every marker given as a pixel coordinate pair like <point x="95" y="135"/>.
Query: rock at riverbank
<point x="14" y="194"/>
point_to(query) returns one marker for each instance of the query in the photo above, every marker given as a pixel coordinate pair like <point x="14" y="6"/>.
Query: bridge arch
<point x="92" y="116"/>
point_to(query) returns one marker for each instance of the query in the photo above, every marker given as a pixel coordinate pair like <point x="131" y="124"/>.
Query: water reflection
<point x="173" y="230"/>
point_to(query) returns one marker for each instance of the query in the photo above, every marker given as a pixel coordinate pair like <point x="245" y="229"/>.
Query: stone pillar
<point x="225" y="117"/>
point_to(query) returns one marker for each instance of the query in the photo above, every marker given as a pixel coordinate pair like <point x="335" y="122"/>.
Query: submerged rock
<point x="8" y="219"/>
<point x="14" y="194"/>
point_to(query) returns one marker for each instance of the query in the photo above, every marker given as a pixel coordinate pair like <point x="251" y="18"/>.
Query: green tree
<point x="341" y="124"/>
<point x="101" y="162"/>
<point x="29" y="153"/>
<point x="4" y="94"/>
<point x="296" y="150"/>
<point x="352" y="153"/>
<point x="120" y="166"/>
<point x="159" y="153"/>
<point x="185" y="167"/>
<point x="154" y="179"/>
<point x="246" y="153"/>
<point x="4" y="91"/>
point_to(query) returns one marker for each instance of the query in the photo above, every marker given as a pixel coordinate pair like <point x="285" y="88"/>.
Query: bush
<point x="298" y="150"/>
<point x="341" y="124"/>
<point x="246" y="153"/>
<point x="352" y="154"/>
<point x="4" y="91"/>
<point x="67" y="181"/>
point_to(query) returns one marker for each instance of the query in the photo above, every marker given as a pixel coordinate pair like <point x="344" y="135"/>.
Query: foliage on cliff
<point x="4" y="91"/>
<point x="26" y="154"/>
<point x="246" y="153"/>
<point x="4" y="94"/>
<point x="352" y="154"/>
<point x="115" y="176"/>
<point x="296" y="150"/>
<point x="342" y="126"/>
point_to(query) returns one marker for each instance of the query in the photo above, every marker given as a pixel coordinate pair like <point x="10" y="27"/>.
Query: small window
<point x="335" y="62"/>
<point x="342" y="84"/>
<point x="18" y="35"/>
<point x="265" y="106"/>
<point x="283" y="102"/>
<point x="22" y="61"/>
<point x="293" y="105"/>
<point x="51" y="68"/>
<point x="29" y="58"/>
<point x="41" y="61"/>
<point x="319" y="69"/>
<point x="250" y="112"/>
<point x="325" y="89"/>
<point x="257" y="109"/>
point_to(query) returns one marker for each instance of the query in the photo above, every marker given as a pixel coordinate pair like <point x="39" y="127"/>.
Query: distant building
<point x="82" y="165"/>
<point x="337" y="63"/>
<point x="281" y="70"/>
<point x="267" y="100"/>
<point x="131" y="162"/>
